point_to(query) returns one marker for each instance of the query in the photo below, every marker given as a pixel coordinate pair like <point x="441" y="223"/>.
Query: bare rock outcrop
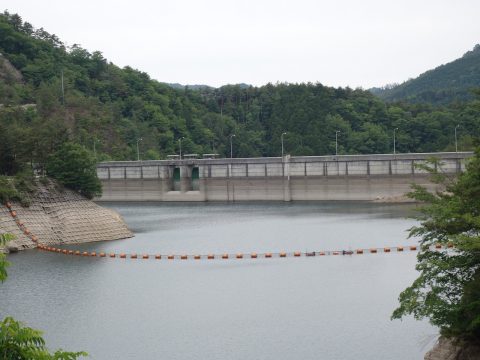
<point x="448" y="349"/>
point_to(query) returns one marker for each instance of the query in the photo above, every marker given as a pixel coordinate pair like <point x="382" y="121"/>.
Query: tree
<point x="75" y="167"/>
<point x="18" y="342"/>
<point x="448" y="288"/>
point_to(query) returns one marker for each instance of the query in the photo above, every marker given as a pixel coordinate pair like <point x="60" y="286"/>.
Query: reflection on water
<point x="305" y="308"/>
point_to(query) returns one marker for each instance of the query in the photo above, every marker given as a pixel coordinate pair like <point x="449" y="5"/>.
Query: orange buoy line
<point x="224" y="256"/>
<point x="239" y="256"/>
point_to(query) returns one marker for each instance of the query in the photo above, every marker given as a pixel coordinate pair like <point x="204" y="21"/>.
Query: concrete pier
<point x="345" y="177"/>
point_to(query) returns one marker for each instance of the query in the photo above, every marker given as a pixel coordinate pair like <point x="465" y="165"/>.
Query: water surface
<point x="294" y="308"/>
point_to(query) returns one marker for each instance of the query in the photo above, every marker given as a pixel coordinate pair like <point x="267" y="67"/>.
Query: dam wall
<point x="345" y="177"/>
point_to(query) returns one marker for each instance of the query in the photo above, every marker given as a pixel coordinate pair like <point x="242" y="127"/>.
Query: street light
<point x="336" y="142"/>
<point x="456" y="143"/>
<point x="138" y="152"/>
<point x="231" y="145"/>
<point x="282" y="142"/>
<point x="394" y="141"/>
<point x="95" y="148"/>
<point x="180" y="142"/>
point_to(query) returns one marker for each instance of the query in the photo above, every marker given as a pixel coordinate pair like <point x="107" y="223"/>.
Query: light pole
<point x="394" y="141"/>
<point x="456" y="143"/>
<point x="336" y="142"/>
<point x="282" y="142"/>
<point x="180" y="142"/>
<point x="231" y="145"/>
<point x="95" y="148"/>
<point x="138" y="152"/>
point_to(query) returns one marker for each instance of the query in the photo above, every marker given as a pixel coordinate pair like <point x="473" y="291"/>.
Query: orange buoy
<point x="197" y="257"/>
<point x="210" y="257"/>
<point x="450" y="245"/>
<point x="26" y="232"/>
<point x="85" y="253"/>
<point x="321" y="253"/>
<point x="297" y="253"/>
<point x="112" y="255"/>
<point x="102" y="254"/>
<point x="145" y="256"/>
<point x="8" y="204"/>
<point x="282" y="254"/>
<point x="184" y="257"/>
<point x="253" y="255"/>
<point x="335" y="253"/>
<point x="93" y="253"/>
<point x="171" y="257"/>
<point x="359" y="251"/>
<point x="77" y="252"/>
<point x="399" y="248"/>
<point x="438" y="246"/>
<point x="386" y="250"/>
<point x="373" y="251"/>
<point x="239" y="256"/>
<point x="13" y="213"/>
<point x="158" y="257"/>
<point x="59" y="250"/>
<point x="268" y="255"/>
<point x="65" y="251"/>
<point x="225" y="256"/>
<point x="413" y="248"/>
<point x="123" y="256"/>
<point x="133" y="256"/>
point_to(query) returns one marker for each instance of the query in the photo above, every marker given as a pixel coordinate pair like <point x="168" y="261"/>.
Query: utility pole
<point x="63" y="91"/>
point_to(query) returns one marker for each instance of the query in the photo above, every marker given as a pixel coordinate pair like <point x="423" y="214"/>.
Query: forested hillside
<point x="452" y="82"/>
<point x="50" y="94"/>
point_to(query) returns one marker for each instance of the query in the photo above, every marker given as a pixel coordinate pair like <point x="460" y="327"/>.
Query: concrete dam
<point x="385" y="177"/>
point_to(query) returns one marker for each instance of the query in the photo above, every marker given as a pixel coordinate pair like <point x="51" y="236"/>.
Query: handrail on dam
<point x="293" y="159"/>
<point x="342" y="177"/>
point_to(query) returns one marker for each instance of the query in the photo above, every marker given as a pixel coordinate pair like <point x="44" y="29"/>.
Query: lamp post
<point x="456" y="142"/>
<point x="394" y="141"/>
<point x="95" y="148"/>
<point x="282" y="142"/>
<point x="138" y="151"/>
<point x="231" y="145"/>
<point x="336" y="142"/>
<point x="180" y="143"/>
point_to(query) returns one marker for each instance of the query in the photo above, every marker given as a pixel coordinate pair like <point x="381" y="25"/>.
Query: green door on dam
<point x="176" y="179"/>
<point x="195" y="177"/>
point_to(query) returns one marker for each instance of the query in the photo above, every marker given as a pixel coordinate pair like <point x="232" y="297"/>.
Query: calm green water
<point x="334" y="307"/>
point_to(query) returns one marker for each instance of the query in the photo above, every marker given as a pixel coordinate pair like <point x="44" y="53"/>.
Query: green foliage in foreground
<point x="448" y="288"/>
<point x="74" y="167"/>
<point x="18" y="342"/>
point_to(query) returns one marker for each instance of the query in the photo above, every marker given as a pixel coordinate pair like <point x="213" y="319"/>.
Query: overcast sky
<point x="356" y="43"/>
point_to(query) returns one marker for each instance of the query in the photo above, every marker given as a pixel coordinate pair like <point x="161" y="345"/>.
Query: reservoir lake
<point x="322" y="307"/>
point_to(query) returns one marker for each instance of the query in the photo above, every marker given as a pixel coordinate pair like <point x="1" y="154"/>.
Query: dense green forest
<point x="51" y="94"/>
<point x="443" y="85"/>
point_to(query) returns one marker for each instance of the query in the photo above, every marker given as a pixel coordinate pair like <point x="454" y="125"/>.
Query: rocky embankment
<point x="447" y="349"/>
<point x="59" y="216"/>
